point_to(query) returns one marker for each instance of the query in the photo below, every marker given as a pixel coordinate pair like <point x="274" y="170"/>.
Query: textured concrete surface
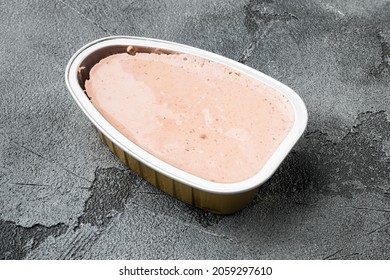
<point x="63" y="195"/>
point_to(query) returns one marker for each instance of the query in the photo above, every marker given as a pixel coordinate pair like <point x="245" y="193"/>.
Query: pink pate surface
<point x="197" y="115"/>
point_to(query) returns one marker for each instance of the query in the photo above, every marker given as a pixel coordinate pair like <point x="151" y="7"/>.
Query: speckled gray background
<point x="63" y="195"/>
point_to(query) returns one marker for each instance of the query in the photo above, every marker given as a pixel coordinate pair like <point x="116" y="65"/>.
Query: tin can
<point x="220" y="198"/>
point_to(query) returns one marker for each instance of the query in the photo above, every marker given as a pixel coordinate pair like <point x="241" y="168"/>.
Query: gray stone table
<point x="63" y="195"/>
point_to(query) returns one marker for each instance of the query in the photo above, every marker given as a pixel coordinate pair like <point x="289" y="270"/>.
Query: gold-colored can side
<point x="216" y="203"/>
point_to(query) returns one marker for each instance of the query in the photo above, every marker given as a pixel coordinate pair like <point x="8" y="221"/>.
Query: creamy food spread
<point x="197" y="115"/>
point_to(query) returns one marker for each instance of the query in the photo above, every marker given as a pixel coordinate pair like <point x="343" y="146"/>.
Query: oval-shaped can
<point x="222" y="198"/>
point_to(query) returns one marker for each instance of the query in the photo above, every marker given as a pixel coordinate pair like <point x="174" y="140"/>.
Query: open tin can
<point x="220" y="198"/>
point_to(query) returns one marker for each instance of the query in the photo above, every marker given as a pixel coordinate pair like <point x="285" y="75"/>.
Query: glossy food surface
<point x="197" y="115"/>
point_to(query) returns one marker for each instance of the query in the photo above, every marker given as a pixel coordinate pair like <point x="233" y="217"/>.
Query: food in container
<point x="201" y="127"/>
